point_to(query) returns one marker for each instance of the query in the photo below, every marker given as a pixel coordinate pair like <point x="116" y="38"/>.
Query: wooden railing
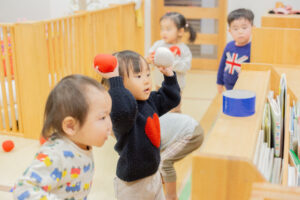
<point x="36" y="55"/>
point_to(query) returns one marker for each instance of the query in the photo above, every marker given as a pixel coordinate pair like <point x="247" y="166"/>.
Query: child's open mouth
<point x="147" y="90"/>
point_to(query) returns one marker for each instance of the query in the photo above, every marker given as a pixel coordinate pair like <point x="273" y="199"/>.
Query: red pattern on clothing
<point x="152" y="130"/>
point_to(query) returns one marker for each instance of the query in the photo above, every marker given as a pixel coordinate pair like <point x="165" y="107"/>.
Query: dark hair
<point x="68" y="98"/>
<point x="181" y="22"/>
<point x="240" y="13"/>
<point x="128" y="60"/>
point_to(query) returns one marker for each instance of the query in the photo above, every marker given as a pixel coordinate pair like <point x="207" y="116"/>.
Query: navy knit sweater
<point x="136" y="127"/>
<point x="230" y="64"/>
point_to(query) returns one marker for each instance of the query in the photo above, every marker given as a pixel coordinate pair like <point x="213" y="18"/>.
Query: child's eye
<point x="103" y="118"/>
<point x="138" y="76"/>
<point x="148" y="74"/>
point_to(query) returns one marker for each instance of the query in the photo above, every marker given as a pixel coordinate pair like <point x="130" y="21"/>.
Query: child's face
<point x="240" y="30"/>
<point x="169" y="32"/>
<point x="139" y="84"/>
<point x="97" y="126"/>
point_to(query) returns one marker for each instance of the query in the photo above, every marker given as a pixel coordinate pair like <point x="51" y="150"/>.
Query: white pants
<point x="148" y="188"/>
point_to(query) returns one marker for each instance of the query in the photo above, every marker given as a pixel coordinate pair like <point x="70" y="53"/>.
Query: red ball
<point x="8" y="145"/>
<point x="105" y="62"/>
<point x="42" y="140"/>
<point x="175" y="49"/>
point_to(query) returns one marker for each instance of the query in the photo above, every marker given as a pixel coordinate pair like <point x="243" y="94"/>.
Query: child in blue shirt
<point x="236" y="52"/>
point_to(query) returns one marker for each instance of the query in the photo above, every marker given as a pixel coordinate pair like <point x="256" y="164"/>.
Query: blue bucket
<point x="239" y="103"/>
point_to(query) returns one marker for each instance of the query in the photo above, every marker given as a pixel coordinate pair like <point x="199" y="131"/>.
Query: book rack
<point x="223" y="167"/>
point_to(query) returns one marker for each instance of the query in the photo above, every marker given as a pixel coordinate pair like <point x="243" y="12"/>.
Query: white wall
<point x="59" y="8"/>
<point x="15" y="10"/>
<point x="259" y="8"/>
<point x="34" y="10"/>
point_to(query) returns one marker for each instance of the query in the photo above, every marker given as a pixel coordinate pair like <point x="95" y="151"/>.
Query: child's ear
<point x="70" y="126"/>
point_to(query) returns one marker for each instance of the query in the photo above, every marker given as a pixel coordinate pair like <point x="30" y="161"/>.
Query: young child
<point x="77" y="117"/>
<point x="179" y="139"/>
<point x="172" y="27"/>
<point x="135" y="116"/>
<point x="236" y="52"/>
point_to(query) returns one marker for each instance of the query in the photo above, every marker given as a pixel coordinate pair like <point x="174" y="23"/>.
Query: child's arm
<point x="150" y="55"/>
<point x="182" y="63"/>
<point x="124" y="107"/>
<point x="168" y="96"/>
<point x="42" y="176"/>
<point x="220" y="81"/>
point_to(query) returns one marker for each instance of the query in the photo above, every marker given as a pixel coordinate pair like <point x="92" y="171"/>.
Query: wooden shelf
<point x="281" y="21"/>
<point x="223" y="168"/>
<point x="229" y="136"/>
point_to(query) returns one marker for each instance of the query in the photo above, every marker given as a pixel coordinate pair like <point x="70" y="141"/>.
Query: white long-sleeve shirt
<point x="174" y="126"/>
<point x="182" y="63"/>
<point x="60" y="170"/>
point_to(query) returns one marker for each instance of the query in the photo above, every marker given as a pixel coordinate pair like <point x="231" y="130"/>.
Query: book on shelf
<point x="278" y="112"/>
<point x="276" y="171"/>
<point x="283" y="105"/>
<point x="294" y="158"/>
<point x="266" y="124"/>
<point x="295" y="128"/>
<point x="276" y="127"/>
<point x="292" y="178"/>
<point x="258" y="147"/>
<point x="264" y="156"/>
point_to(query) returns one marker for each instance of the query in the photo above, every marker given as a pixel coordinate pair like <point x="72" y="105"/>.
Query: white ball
<point x="163" y="57"/>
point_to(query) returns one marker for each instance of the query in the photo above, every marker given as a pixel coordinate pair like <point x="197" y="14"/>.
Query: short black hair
<point x="240" y="13"/>
<point x="127" y="60"/>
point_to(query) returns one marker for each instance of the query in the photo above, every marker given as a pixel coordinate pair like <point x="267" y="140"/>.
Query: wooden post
<point x="32" y="71"/>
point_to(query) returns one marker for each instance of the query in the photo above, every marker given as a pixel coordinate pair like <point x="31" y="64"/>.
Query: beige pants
<point x="178" y="150"/>
<point x="149" y="188"/>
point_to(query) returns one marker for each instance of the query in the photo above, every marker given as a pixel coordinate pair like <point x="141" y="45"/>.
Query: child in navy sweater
<point x="135" y="117"/>
<point x="236" y="52"/>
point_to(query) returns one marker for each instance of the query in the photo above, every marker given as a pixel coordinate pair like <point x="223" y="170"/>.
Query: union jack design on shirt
<point x="233" y="63"/>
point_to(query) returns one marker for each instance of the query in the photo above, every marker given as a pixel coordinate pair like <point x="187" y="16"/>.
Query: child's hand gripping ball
<point x="163" y="57"/>
<point x="175" y="49"/>
<point x="105" y="63"/>
<point x="8" y="145"/>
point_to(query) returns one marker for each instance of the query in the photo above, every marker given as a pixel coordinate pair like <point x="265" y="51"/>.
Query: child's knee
<point x="167" y="171"/>
<point x="199" y="136"/>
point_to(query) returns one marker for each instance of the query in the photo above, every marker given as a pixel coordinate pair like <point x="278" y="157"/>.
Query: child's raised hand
<point x="108" y="75"/>
<point x="220" y="88"/>
<point x="167" y="71"/>
<point x="163" y="57"/>
<point x="106" y="65"/>
<point x="150" y="58"/>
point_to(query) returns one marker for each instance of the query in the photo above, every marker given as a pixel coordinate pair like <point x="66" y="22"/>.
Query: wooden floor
<point x="199" y="92"/>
